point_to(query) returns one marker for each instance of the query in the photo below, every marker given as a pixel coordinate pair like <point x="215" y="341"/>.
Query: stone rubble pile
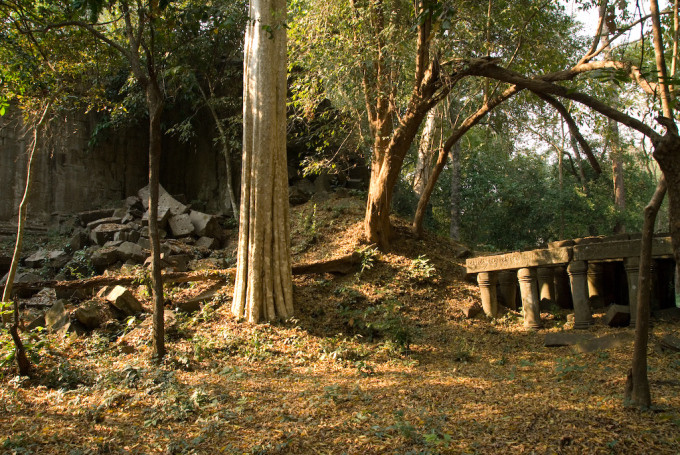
<point x="113" y="237"/>
<point x="108" y="239"/>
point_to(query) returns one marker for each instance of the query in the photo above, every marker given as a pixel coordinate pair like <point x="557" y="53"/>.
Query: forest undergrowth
<point x="374" y="362"/>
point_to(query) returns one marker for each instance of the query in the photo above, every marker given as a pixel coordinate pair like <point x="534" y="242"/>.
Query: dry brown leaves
<point x="337" y="380"/>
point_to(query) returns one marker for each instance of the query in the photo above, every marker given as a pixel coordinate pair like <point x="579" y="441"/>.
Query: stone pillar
<point x="632" y="265"/>
<point x="546" y="286"/>
<point x="507" y="285"/>
<point x="529" y="291"/>
<point x="562" y="288"/>
<point x="487" y="290"/>
<point x="596" y="285"/>
<point x="577" y="271"/>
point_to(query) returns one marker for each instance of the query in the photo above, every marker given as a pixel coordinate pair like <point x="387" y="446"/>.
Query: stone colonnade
<point x="569" y="273"/>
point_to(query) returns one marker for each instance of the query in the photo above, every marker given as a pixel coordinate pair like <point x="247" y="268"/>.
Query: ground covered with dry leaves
<point x="380" y="361"/>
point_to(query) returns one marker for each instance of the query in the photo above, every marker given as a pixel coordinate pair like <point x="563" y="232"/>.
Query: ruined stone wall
<point x="71" y="176"/>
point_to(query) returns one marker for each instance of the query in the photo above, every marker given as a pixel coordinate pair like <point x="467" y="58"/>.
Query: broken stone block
<point x="181" y="225"/>
<point x="56" y="316"/>
<point x="306" y="186"/>
<point x="605" y="342"/>
<point x="123" y="299"/>
<point x="126" y="236"/>
<point x="667" y="314"/>
<point x="36" y="322"/>
<point x="23" y="277"/>
<point x="36" y="260"/>
<point x="45" y="298"/>
<point x="617" y="316"/>
<point x="163" y="216"/>
<point x="144" y="232"/>
<point x="144" y="242"/>
<point x="103" y="258"/>
<point x="57" y="259"/>
<point x="113" y="244"/>
<point x="207" y="243"/>
<point x="107" y="220"/>
<point x="79" y="240"/>
<point x="556" y="339"/>
<point x="671" y="343"/>
<point x="178" y="262"/>
<point x="322" y="183"/>
<point x="119" y="212"/>
<point x="205" y="225"/>
<point x="129" y="251"/>
<point x="165" y="201"/>
<point x="296" y="196"/>
<point x="92" y="314"/>
<point x="472" y="311"/>
<point x="92" y="215"/>
<point x="105" y="232"/>
<point x="134" y="202"/>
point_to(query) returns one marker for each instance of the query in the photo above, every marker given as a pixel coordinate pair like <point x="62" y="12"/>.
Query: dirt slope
<point x="381" y="361"/>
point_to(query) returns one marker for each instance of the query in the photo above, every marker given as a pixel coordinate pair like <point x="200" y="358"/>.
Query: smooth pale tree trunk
<point x="425" y="152"/>
<point x="263" y="289"/>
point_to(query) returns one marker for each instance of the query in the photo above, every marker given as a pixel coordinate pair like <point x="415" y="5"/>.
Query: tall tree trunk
<point x="263" y="287"/>
<point x="377" y="221"/>
<point x="454" y="227"/>
<point x="666" y="152"/>
<point x="637" y="384"/>
<point x="154" y="100"/>
<point x="425" y="152"/>
<point x="232" y="202"/>
<point x="20" y="352"/>
<point x="458" y="133"/>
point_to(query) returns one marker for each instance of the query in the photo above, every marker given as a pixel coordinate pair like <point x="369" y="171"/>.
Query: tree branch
<point x="573" y="129"/>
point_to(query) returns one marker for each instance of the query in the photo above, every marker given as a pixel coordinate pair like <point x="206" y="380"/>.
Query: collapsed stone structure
<point x="581" y="274"/>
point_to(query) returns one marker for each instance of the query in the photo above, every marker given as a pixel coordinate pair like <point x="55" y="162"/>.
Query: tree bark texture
<point x="20" y="352"/>
<point x="454" y="226"/>
<point x="263" y="289"/>
<point x="155" y="103"/>
<point x="457" y="134"/>
<point x="425" y="152"/>
<point x="637" y="392"/>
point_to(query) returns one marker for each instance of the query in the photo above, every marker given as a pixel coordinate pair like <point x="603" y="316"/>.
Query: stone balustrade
<point x="578" y="274"/>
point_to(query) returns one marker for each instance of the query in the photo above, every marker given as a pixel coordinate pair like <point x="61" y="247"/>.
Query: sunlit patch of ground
<point x="376" y="362"/>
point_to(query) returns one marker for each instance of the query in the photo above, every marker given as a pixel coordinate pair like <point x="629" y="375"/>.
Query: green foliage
<point x="369" y="254"/>
<point x="421" y="269"/>
<point x="382" y="320"/>
<point x="79" y="267"/>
